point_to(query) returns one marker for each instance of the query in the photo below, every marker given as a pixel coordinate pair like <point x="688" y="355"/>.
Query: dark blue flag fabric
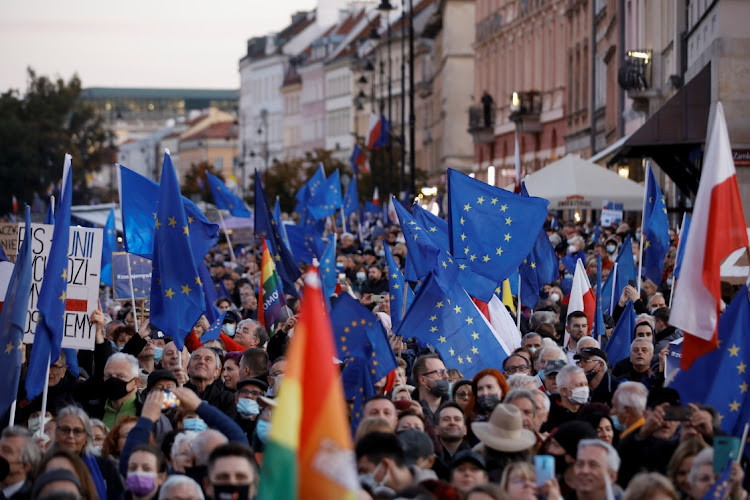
<point x="385" y="133"/>
<point x="397" y="288"/>
<point x="356" y="159"/>
<point x="371" y="208"/>
<point x="435" y="226"/>
<point x="569" y="261"/>
<point x="358" y="388"/>
<point x="309" y="189"/>
<point x="539" y="267"/>
<point x="51" y="302"/>
<point x="327" y="198"/>
<point x="214" y="330"/>
<point x="655" y="230"/>
<point x="177" y="298"/>
<point x="225" y="199"/>
<point x="599" y="328"/>
<point x="681" y="246"/>
<point x="360" y="335"/>
<point x="265" y="226"/>
<point x="720" y="489"/>
<point x="49" y="218"/>
<point x="13" y="320"/>
<point x="280" y="223"/>
<point x="618" y="276"/>
<point x="209" y="292"/>
<point x="138" y="202"/>
<point x="618" y="346"/>
<point x="351" y="198"/>
<point x="327" y="267"/>
<point x="721" y="378"/>
<point x="515" y="222"/>
<point x="109" y="245"/>
<point x="448" y="320"/>
<point x="304" y="245"/>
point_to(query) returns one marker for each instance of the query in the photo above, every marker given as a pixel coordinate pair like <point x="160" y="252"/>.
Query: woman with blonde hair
<point x="519" y="482"/>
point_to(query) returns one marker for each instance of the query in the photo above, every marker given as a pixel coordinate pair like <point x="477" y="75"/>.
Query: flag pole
<point x="643" y="229"/>
<point x="742" y="443"/>
<point x="226" y="235"/>
<point x="45" y="392"/>
<point x="614" y="287"/>
<point x="682" y="228"/>
<point x="518" y="311"/>
<point x="132" y="293"/>
<point x="343" y="221"/>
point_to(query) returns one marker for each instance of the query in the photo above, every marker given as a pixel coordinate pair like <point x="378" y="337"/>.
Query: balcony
<point x="482" y="124"/>
<point x="635" y="78"/>
<point x="525" y="110"/>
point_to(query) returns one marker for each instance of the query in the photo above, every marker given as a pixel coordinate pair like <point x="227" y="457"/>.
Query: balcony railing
<point x="482" y="123"/>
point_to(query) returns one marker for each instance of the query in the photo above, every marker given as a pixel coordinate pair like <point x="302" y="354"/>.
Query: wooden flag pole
<point x="132" y="293"/>
<point x="226" y="235"/>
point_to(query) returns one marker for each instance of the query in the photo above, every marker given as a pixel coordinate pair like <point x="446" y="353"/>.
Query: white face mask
<point x="554" y="297"/>
<point x="572" y="249"/>
<point x="579" y="395"/>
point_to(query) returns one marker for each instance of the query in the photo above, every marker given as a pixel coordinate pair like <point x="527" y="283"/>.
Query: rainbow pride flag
<point x="271" y="296"/>
<point x="309" y="452"/>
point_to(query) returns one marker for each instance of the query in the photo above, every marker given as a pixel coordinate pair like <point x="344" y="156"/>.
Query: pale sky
<point x="135" y="43"/>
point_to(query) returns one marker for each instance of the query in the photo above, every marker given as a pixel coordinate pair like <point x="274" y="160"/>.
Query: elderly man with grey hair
<point x="574" y="393"/>
<point x="18" y="448"/>
<point x="180" y="487"/>
<point x="249" y="333"/>
<point x="595" y="469"/>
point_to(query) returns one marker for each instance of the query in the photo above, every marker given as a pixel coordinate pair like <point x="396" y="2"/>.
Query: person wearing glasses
<point x="75" y="434"/>
<point x="432" y="385"/>
<point x="246" y="400"/>
<point x="61" y="392"/>
<point x="462" y="393"/>
<point x="516" y="364"/>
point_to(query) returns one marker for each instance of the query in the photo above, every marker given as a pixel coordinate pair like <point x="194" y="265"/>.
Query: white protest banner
<point x="9" y="239"/>
<point x="84" y="267"/>
<point x="612" y="213"/>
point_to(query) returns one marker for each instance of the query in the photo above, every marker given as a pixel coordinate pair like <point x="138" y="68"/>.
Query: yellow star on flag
<point x="453" y="353"/>
<point x="460" y="360"/>
<point x="743" y="387"/>
<point x="157" y="223"/>
<point x="462" y="267"/>
<point x="439" y="304"/>
<point x="8" y="347"/>
<point x="433" y="317"/>
<point x="468" y="359"/>
<point x="457" y="309"/>
<point x="533" y="266"/>
<point x="741" y="367"/>
<point x="475" y="350"/>
<point x="508" y="220"/>
<point x="734" y="350"/>
<point x="441" y="339"/>
<point x="169" y="293"/>
<point x="198" y="281"/>
<point x="734" y="406"/>
<point x="480" y="200"/>
<point x="475" y="336"/>
<point x="64" y="274"/>
<point x="486" y="258"/>
<point x="433" y="329"/>
<point x="62" y="297"/>
<point x="469" y="320"/>
<point x="499" y="251"/>
<point x="172" y="222"/>
<point x="190" y="219"/>
<point x="186" y="289"/>
<point x="503" y="208"/>
<point x="493" y="201"/>
<point x="507" y="236"/>
<point x="467" y="207"/>
<point x="185" y="230"/>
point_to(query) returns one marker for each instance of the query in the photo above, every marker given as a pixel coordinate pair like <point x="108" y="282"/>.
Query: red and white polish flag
<point x="581" y="297"/>
<point x="717" y="229"/>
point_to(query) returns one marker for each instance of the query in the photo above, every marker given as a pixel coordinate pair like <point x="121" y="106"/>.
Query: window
<point x="219" y="163"/>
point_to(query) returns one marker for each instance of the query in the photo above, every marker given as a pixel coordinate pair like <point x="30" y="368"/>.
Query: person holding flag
<point x="271" y="298"/>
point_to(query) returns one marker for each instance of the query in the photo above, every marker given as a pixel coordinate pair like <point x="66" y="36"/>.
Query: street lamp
<point x="385" y="7"/>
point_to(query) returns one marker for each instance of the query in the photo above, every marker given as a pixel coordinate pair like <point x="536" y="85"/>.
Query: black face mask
<point x="115" y="388"/>
<point x="488" y="403"/>
<point x="440" y="389"/>
<point x="590" y="374"/>
<point x="232" y="492"/>
<point x="560" y="464"/>
<point x="197" y="473"/>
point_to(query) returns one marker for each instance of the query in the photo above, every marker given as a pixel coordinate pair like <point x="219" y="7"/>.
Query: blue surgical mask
<point x="541" y="374"/>
<point x="229" y="328"/>
<point x="262" y="428"/>
<point x="194" y="424"/>
<point x="247" y="407"/>
<point x="616" y="424"/>
<point x="158" y="352"/>
<point x="114" y="346"/>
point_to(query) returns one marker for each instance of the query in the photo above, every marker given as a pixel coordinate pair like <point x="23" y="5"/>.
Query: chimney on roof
<point x="299" y="16"/>
<point x="327" y="12"/>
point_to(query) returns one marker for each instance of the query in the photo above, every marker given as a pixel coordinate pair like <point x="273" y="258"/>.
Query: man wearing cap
<point x="418" y="449"/>
<point x="550" y="376"/>
<point x="158" y="380"/>
<point x="602" y="384"/>
<point x="503" y="439"/>
<point x="468" y="469"/>
<point x="246" y="400"/>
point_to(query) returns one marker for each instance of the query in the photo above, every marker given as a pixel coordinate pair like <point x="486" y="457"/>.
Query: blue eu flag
<point x="327" y="198"/>
<point x="214" y="330"/>
<point x="13" y="320"/>
<point x="351" y="198"/>
<point x="209" y="292"/>
<point x="491" y="227"/>
<point x="447" y="319"/>
<point x="225" y="199"/>
<point x="51" y="303"/>
<point x="305" y="246"/>
<point x="327" y="267"/>
<point x="358" y="388"/>
<point x="655" y="230"/>
<point x="618" y="346"/>
<point x="360" y="335"/>
<point x="435" y="226"/>
<point x="400" y="293"/>
<point x="539" y="267"/>
<point x="309" y="189"/>
<point x="265" y="226"/>
<point x="109" y="245"/>
<point x="138" y="201"/>
<point x="721" y="378"/>
<point x="618" y="276"/>
<point x="177" y="299"/>
<point x="279" y="222"/>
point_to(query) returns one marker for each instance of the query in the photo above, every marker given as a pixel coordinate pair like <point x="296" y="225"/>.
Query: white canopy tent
<point x="575" y="183"/>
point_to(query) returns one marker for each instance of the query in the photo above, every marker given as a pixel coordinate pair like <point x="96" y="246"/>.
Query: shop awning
<point x="673" y="137"/>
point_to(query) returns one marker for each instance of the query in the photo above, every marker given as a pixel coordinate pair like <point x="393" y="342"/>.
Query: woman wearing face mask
<point x="263" y="425"/>
<point x="100" y="433"/>
<point x="488" y="388"/>
<point x="74" y="434"/>
<point x="147" y="470"/>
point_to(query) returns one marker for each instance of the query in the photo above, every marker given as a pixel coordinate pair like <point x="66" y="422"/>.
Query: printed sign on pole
<point x="84" y="267"/>
<point x="140" y="270"/>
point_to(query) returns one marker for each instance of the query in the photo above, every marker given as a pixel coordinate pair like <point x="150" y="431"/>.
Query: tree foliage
<point x="195" y="183"/>
<point x="38" y="128"/>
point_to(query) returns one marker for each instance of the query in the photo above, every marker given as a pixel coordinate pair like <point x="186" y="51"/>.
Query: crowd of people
<point x="144" y="420"/>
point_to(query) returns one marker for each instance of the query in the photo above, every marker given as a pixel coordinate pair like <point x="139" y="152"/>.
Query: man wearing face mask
<point x="602" y="384"/>
<point x="246" y="399"/>
<point x="574" y="393"/>
<point x="381" y="463"/>
<point x="431" y="381"/>
<point x="232" y="473"/>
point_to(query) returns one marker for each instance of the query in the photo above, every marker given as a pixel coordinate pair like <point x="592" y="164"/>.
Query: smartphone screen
<point x="726" y="449"/>
<point x="678" y="413"/>
<point x="545" y="469"/>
